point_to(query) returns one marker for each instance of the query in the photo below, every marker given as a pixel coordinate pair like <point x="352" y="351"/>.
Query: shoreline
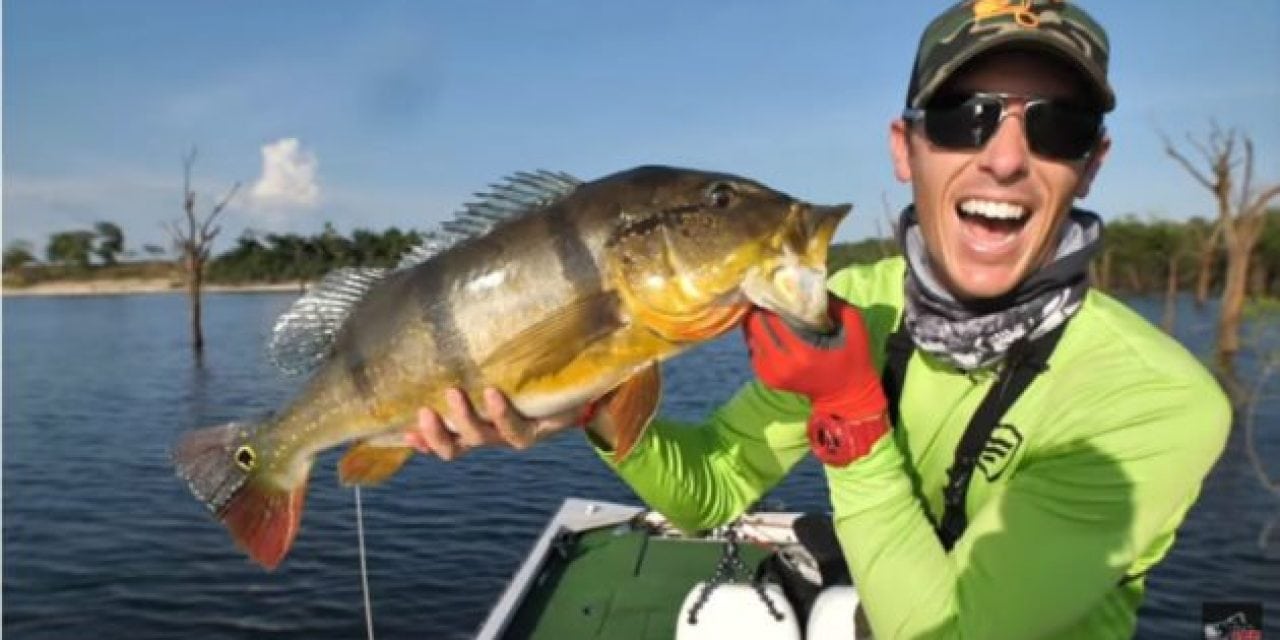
<point x="133" y="286"/>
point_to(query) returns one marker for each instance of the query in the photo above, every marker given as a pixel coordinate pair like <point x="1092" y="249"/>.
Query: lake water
<point x="100" y="538"/>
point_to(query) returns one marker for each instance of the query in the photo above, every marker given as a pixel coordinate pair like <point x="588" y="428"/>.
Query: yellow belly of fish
<point x="596" y="370"/>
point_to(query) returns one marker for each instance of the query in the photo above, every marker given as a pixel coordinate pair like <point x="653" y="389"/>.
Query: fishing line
<point x="364" y="568"/>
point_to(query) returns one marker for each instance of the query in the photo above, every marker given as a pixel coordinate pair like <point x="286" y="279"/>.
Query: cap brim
<point x="1029" y="39"/>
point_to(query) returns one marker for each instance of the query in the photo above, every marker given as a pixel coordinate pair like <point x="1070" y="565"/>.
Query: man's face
<point x="990" y="216"/>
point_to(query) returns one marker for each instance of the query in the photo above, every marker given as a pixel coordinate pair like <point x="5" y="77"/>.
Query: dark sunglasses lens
<point x="1062" y="131"/>
<point x="966" y="124"/>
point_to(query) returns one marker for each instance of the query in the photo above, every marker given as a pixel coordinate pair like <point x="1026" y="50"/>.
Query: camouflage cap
<point x="973" y="27"/>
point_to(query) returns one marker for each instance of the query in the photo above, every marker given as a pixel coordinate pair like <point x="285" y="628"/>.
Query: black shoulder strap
<point x="897" y="354"/>
<point x="1025" y="360"/>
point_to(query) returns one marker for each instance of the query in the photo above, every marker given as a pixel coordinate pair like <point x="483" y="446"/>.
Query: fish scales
<point x="573" y="302"/>
<point x="391" y="345"/>
<point x="379" y="356"/>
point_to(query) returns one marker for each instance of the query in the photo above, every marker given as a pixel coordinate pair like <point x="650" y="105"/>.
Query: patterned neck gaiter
<point x="973" y="334"/>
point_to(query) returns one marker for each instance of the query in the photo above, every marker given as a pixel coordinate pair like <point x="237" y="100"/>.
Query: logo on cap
<point x="1024" y="12"/>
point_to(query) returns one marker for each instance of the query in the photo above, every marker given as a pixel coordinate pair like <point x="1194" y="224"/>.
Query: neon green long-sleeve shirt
<point x="1079" y="491"/>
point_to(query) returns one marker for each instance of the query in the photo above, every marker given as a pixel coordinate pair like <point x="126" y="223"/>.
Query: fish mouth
<point x="794" y="285"/>
<point x="797" y="293"/>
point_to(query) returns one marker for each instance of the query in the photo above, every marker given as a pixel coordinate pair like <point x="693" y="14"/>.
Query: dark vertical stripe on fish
<point x="577" y="266"/>
<point x="451" y="347"/>
<point x="358" y="371"/>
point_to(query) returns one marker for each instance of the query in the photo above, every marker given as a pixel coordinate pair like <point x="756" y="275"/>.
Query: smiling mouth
<point x="991" y="224"/>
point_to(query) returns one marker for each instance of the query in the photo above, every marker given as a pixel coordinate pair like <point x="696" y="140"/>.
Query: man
<point x="1041" y="442"/>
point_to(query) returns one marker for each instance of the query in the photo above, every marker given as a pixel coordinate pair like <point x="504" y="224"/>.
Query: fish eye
<point x="245" y="457"/>
<point x="720" y="195"/>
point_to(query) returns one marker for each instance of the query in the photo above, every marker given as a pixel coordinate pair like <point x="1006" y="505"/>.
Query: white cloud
<point x="288" y="176"/>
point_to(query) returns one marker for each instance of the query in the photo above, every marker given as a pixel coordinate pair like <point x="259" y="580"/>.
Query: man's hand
<point x="833" y="370"/>
<point x="463" y="429"/>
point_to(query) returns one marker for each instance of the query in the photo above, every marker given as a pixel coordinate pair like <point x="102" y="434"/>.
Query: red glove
<point x="834" y="370"/>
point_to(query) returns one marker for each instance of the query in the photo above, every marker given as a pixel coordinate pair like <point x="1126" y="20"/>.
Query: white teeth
<point x="993" y="209"/>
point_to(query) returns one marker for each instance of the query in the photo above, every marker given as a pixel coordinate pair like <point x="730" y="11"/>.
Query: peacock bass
<point x="555" y="291"/>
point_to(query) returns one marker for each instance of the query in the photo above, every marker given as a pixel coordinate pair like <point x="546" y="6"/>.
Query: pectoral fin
<point x="627" y="411"/>
<point x="705" y="325"/>
<point x="550" y="344"/>
<point x="368" y="462"/>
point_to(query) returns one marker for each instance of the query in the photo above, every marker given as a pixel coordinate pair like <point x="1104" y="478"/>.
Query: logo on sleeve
<point x="1232" y="620"/>
<point x="999" y="451"/>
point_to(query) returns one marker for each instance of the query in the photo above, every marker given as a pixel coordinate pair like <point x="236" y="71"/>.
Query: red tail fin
<point x="263" y="520"/>
<point x="224" y="469"/>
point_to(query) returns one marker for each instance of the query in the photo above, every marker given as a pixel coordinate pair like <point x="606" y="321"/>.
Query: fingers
<point x="463" y="431"/>
<point x="472" y="431"/>
<point x="415" y="438"/>
<point x="762" y="337"/>
<point x="772" y="325"/>
<point x="432" y="432"/>
<point x="514" y="428"/>
<point x="466" y="430"/>
<point x="846" y="313"/>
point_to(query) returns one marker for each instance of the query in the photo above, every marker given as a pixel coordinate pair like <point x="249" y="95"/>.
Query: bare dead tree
<point x="1169" y="319"/>
<point x="193" y="238"/>
<point x="1136" y="282"/>
<point x="1241" y="216"/>
<point x="1207" y="251"/>
<point x="1176" y="246"/>
<point x="1102" y="274"/>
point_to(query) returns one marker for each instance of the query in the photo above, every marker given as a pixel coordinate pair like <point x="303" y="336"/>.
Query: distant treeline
<point x="1139" y="256"/>
<point x="276" y="257"/>
<point x="1142" y="256"/>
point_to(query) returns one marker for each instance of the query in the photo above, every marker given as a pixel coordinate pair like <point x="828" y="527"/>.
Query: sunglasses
<point x="1055" y="129"/>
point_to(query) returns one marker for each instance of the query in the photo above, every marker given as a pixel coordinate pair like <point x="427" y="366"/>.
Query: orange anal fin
<point x="628" y="409"/>
<point x="704" y="326"/>
<point x="367" y="463"/>
<point x="263" y="520"/>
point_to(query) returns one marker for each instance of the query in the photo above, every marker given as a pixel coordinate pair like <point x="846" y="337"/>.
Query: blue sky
<point x="400" y="110"/>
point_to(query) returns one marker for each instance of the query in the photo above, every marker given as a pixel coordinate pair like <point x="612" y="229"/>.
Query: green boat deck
<point x="618" y="583"/>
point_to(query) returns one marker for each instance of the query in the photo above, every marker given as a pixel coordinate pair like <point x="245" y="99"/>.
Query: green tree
<point x="70" y="248"/>
<point x="863" y="251"/>
<point x="110" y="241"/>
<point x="17" y="255"/>
<point x="276" y="257"/>
<point x="334" y="250"/>
<point x="1205" y="238"/>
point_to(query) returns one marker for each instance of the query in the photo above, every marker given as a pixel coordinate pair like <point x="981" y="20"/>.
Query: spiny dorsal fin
<point x="519" y="194"/>
<point x="303" y="334"/>
<point x="433" y="244"/>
